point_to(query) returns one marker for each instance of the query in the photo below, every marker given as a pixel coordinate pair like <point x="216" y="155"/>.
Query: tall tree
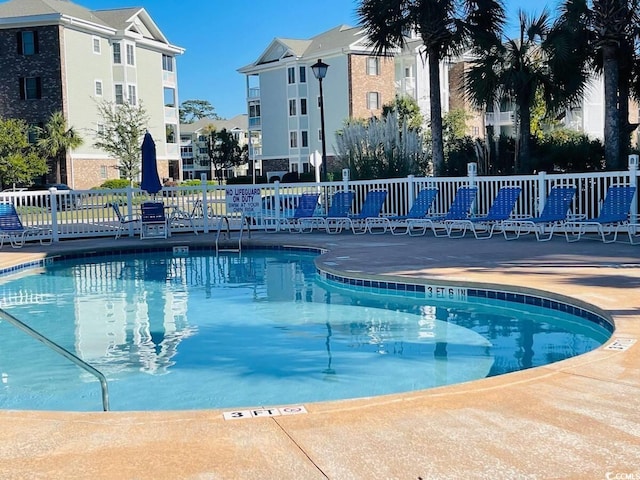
<point x="608" y="31"/>
<point x="55" y="140"/>
<point x="521" y="68"/>
<point x="192" y="110"/>
<point x="20" y="161"/>
<point x="445" y="27"/>
<point x="121" y="137"/>
<point x="408" y="112"/>
<point x="224" y="151"/>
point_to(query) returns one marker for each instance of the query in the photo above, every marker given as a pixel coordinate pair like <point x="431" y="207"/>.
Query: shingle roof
<point x="26" y="8"/>
<point x="117" y="18"/>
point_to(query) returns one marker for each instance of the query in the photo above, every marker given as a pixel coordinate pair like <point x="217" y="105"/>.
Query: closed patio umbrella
<point x="150" y="179"/>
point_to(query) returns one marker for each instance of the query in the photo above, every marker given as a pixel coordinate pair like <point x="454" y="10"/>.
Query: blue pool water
<point x="260" y="329"/>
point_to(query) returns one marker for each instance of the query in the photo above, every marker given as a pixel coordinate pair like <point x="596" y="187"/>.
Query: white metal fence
<point x="86" y="213"/>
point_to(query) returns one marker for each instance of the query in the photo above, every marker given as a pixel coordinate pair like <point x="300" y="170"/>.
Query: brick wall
<point x="87" y="173"/>
<point x="45" y="64"/>
<point x="361" y="83"/>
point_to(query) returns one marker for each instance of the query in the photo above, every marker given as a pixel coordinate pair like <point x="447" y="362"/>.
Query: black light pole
<point x="320" y="71"/>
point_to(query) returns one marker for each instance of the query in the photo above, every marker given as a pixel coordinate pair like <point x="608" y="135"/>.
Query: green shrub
<point x="116" y="183"/>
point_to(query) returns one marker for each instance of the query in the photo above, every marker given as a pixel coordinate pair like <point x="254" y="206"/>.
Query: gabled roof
<point x="134" y="19"/>
<point x="340" y="38"/>
<point x="38" y="8"/>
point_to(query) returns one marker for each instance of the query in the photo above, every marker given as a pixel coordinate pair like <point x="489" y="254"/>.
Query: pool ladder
<point x="224" y="220"/>
<point x="62" y="351"/>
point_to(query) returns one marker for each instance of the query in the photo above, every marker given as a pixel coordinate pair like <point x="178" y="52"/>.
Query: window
<point x="319" y="102"/>
<point x="169" y="97"/>
<point x="130" y="57"/>
<point x="373" y="101"/>
<point x="100" y="128"/>
<point x="103" y="171"/>
<point x="98" y="88"/>
<point x="133" y="98"/>
<point x="203" y="150"/>
<point x="117" y="54"/>
<point x="320" y="135"/>
<point x="119" y="94"/>
<point x="27" y="42"/>
<point x="303" y="106"/>
<point x="292" y="107"/>
<point x="171" y="132"/>
<point x="96" y="45"/>
<point x="305" y="138"/>
<point x="373" y="66"/>
<point x="30" y="88"/>
<point x="167" y="63"/>
<point x="254" y="110"/>
<point x="291" y="75"/>
<point x="303" y="74"/>
<point x="293" y="139"/>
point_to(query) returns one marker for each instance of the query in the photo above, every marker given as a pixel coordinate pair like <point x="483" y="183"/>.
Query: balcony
<point x="254" y="93"/>
<point x="499" y="118"/>
<point x="255" y="122"/>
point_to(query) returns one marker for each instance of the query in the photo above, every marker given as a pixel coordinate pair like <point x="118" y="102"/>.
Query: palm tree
<point x="609" y="30"/>
<point x="533" y="63"/>
<point x="445" y="27"/>
<point x="56" y="140"/>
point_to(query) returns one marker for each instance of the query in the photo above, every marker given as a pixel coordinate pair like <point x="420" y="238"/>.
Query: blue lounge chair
<point x="484" y="226"/>
<point x="553" y="215"/>
<point x="459" y="209"/>
<point x="364" y="221"/>
<point x="399" y="224"/>
<point x="306" y="207"/>
<point x="339" y="208"/>
<point x="153" y="221"/>
<point x="11" y="228"/>
<point x="371" y="207"/>
<point x="614" y="214"/>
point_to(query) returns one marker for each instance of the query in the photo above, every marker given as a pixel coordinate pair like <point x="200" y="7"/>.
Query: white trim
<point x="97" y="82"/>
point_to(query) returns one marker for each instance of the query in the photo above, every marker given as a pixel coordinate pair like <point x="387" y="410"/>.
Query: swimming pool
<point x="261" y="329"/>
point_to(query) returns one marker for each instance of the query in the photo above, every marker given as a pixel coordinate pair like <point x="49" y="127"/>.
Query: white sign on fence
<point x="243" y="199"/>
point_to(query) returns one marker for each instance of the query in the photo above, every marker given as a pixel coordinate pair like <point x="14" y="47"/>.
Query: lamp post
<point x="320" y="71"/>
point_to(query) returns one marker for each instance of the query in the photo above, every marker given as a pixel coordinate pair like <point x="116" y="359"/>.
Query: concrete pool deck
<point x="579" y="418"/>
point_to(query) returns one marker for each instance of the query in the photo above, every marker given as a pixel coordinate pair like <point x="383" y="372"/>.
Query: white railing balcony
<point x="255" y="122"/>
<point x="253" y="93"/>
<point x="499" y="118"/>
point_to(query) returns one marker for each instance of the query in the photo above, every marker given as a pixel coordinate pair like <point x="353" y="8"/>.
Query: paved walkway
<point x="579" y="418"/>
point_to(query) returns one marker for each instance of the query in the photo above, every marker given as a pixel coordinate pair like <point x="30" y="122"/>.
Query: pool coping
<point x="585" y="429"/>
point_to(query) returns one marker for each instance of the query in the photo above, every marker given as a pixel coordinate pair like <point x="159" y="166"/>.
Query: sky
<point x="220" y="36"/>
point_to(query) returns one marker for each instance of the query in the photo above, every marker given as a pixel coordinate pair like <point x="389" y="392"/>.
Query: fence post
<point x="205" y="202"/>
<point x="53" y="203"/>
<point x="411" y="183"/>
<point x="542" y="191"/>
<point x="276" y="200"/>
<point x="130" y="209"/>
<point x="633" y="181"/>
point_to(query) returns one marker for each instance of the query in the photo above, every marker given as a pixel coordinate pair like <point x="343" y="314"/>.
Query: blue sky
<point x="221" y="36"/>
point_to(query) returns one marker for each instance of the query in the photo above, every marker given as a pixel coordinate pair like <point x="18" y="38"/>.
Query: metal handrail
<point x="222" y="219"/>
<point x="62" y="351"/>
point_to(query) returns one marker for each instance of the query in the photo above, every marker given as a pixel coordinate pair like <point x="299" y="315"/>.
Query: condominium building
<point x="56" y="55"/>
<point x="283" y="96"/>
<point x="194" y="145"/>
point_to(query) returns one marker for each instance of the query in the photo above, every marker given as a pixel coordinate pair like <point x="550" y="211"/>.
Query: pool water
<point x="257" y="329"/>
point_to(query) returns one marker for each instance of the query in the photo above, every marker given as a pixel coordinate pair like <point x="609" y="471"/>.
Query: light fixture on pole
<point x="320" y="71"/>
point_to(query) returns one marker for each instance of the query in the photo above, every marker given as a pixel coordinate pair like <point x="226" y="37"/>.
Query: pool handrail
<point x="62" y="351"/>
